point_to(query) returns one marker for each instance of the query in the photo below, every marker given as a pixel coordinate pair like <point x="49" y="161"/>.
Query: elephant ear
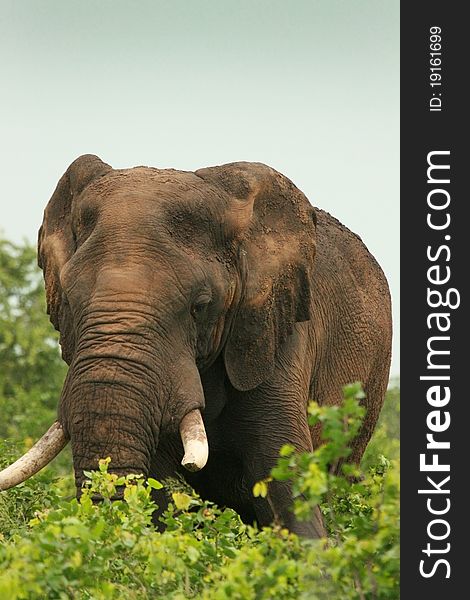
<point x="56" y="241"/>
<point x="275" y="225"/>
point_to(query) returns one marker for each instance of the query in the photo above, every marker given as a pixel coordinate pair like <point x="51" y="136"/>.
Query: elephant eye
<point x="199" y="307"/>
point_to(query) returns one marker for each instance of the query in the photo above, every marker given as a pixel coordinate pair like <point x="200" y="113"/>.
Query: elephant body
<point x="222" y="290"/>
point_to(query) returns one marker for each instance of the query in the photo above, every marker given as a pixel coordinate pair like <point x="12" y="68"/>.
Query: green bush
<point x="80" y="549"/>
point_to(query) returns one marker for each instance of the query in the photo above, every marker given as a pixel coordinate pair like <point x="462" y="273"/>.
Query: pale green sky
<point x="309" y="87"/>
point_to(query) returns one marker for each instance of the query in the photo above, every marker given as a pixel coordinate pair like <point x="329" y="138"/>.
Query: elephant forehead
<point x="155" y="185"/>
<point x="150" y="198"/>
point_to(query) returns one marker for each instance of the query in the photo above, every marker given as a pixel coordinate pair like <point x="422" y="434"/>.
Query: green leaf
<point x="103" y="464"/>
<point x="260" y="489"/>
<point x="192" y="553"/>
<point x="182" y="501"/>
<point x="286" y="450"/>
<point x="281" y="473"/>
<point x="154" y="484"/>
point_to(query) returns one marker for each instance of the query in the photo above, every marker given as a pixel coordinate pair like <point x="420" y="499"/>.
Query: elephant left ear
<point x="275" y="225"/>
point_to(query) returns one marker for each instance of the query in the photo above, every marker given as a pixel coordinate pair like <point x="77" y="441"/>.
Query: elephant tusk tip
<point x="190" y="465"/>
<point x="196" y="456"/>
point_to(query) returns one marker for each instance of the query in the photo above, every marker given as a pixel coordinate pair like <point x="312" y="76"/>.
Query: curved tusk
<point x="40" y="455"/>
<point x="194" y="438"/>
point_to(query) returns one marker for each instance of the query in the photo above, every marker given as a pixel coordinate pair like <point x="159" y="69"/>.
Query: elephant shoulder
<point x="350" y="290"/>
<point x="342" y="253"/>
<point x="351" y="305"/>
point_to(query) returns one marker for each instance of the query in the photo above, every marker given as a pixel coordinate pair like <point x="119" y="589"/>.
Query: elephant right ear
<point x="56" y="242"/>
<point x="275" y="226"/>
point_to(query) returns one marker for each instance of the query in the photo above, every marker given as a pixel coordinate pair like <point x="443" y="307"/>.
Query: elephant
<point x="199" y="312"/>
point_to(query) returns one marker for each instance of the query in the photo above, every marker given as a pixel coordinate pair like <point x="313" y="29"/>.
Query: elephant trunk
<point x="106" y="415"/>
<point x="122" y="396"/>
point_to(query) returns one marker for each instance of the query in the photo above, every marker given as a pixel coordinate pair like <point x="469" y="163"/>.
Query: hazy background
<point x="309" y="87"/>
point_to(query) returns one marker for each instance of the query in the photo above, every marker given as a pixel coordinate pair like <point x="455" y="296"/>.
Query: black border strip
<point x="424" y="131"/>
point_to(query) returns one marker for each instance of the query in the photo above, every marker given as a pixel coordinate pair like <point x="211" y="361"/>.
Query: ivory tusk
<point x="40" y="455"/>
<point x="194" y="438"/>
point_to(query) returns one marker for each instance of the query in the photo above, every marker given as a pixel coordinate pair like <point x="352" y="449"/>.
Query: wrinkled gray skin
<point x="222" y="290"/>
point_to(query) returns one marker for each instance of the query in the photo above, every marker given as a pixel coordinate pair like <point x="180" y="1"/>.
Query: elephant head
<point x="150" y="276"/>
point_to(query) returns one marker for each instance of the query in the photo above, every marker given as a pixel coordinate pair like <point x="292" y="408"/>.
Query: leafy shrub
<point x="83" y="549"/>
